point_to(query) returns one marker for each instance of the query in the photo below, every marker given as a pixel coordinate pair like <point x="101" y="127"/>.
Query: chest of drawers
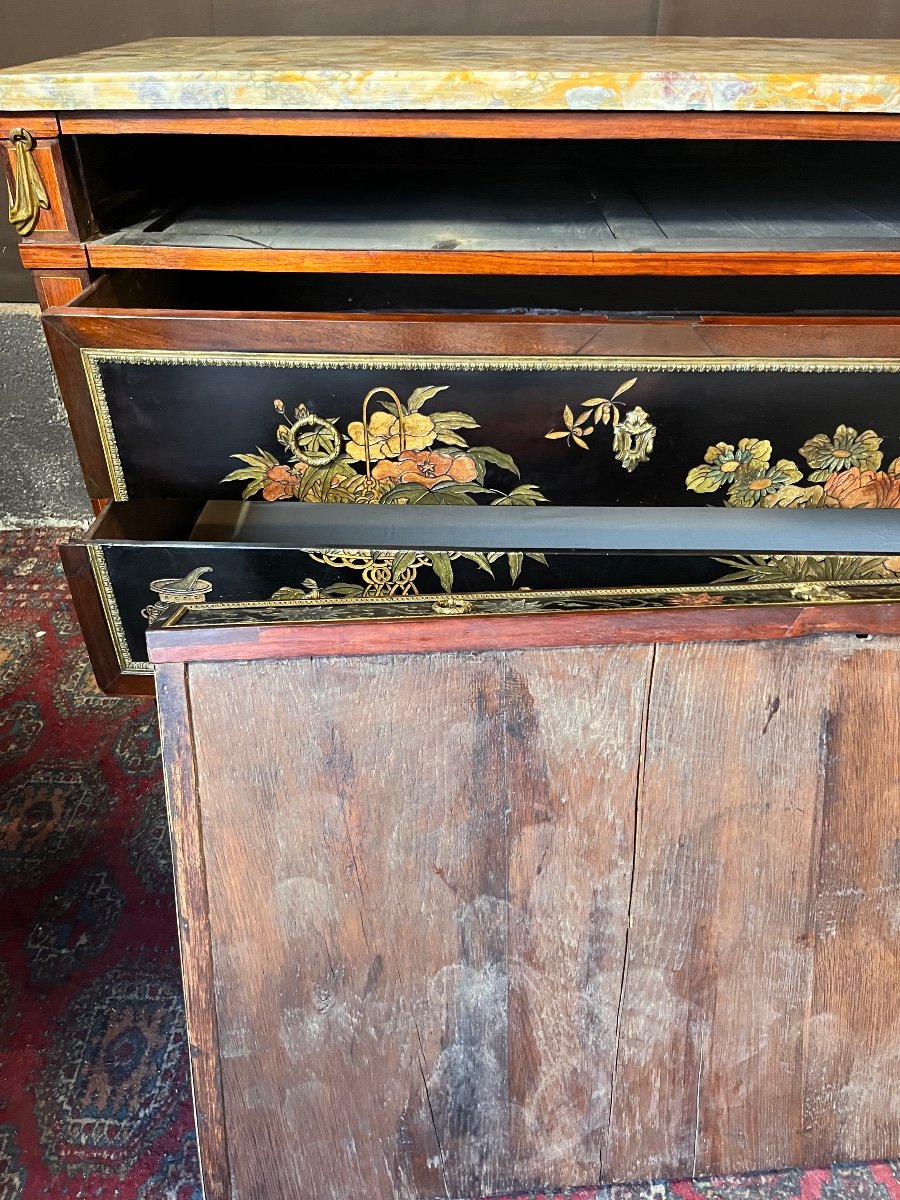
<point x="570" y="271"/>
<point x="519" y="842"/>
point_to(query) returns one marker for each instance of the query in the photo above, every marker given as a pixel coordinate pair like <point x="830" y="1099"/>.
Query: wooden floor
<point x="541" y="918"/>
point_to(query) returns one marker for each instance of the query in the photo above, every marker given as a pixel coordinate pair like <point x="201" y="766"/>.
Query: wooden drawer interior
<point x="622" y="297"/>
<point x="397" y="204"/>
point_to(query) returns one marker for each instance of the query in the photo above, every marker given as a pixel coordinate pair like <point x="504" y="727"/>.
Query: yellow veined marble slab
<point x="581" y="73"/>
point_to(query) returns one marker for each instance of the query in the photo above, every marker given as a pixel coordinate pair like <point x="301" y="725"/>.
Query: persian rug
<point x="94" y="1092"/>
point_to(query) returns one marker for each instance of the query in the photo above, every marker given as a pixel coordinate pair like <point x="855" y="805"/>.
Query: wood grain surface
<point x="586" y="125"/>
<point x="878" y="260"/>
<point x="852" y="1098"/>
<point x="539" y="918"/>
<point x="57" y="288"/>
<point x="386" y="919"/>
<point x="193" y="927"/>
<point x="246" y="643"/>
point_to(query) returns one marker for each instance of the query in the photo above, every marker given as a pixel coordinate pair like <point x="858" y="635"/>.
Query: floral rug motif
<point x="94" y="1092"/>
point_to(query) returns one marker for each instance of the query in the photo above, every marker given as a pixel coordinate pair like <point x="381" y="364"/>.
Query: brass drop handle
<point x="30" y="195"/>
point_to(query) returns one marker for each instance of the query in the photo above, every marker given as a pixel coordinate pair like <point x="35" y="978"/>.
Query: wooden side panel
<point x="193" y="927"/>
<point x="56" y="288"/>
<point x="853" y="1073"/>
<point x="418" y="875"/>
<point x="73" y="386"/>
<point x="89" y="610"/>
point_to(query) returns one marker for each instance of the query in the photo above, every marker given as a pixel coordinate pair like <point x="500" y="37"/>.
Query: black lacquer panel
<point x="177" y="425"/>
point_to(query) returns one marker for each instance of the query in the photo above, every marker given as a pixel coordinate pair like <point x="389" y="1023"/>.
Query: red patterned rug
<point x="94" y="1093"/>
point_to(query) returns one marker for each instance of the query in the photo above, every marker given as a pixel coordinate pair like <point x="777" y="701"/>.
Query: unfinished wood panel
<point x="660" y="210"/>
<point x="193" y="927"/>
<point x="573" y="745"/>
<point x="418" y="872"/>
<point x="853" y="1070"/>
<point x="719" y="970"/>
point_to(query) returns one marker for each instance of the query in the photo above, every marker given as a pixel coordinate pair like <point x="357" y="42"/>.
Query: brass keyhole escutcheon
<point x="30" y="195"/>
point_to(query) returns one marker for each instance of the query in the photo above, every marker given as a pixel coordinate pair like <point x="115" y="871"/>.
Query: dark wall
<point x="31" y="31"/>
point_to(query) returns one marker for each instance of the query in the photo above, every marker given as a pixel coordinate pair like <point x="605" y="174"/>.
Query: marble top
<point x="539" y="73"/>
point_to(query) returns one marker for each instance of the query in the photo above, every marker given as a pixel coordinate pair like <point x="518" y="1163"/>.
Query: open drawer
<point x="534" y="206"/>
<point x="743" y="394"/>
<point x="584" y="405"/>
<point x="169" y="562"/>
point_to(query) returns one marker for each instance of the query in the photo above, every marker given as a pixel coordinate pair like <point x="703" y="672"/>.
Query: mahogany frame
<point x="525" y="632"/>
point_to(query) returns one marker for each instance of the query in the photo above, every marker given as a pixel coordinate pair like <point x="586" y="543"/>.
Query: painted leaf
<point x="402" y="561"/>
<point x="524" y="494"/>
<point x="442" y="566"/>
<point x="515" y="565"/>
<point x="244" y="473"/>
<point x="261" y="458"/>
<point x="454" y="420"/>
<point x="410" y="492"/>
<point x="624" y="388"/>
<point x="480" y="560"/>
<point x="421" y="395"/>
<point x="483" y="454"/>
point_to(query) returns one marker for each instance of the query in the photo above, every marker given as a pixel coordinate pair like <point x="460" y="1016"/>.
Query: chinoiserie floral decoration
<point x="841" y="471"/>
<point x="396" y="454"/>
<point x="633" y="432"/>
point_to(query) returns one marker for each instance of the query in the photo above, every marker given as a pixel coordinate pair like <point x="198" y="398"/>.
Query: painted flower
<point x="863" y="489"/>
<point x="427" y="467"/>
<point x="845" y="450"/>
<point x="792" y="496"/>
<point x="283" y="481"/>
<point x="723" y="463"/>
<point x="384" y="435"/>
<point x="750" y="487"/>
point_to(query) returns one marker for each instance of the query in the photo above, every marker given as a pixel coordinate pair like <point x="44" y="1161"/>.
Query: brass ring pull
<point x="30" y="194"/>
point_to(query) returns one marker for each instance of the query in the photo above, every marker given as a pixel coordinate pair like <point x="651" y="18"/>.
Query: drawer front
<point x="159" y="581"/>
<point x="463" y="411"/>
<point x="487" y="411"/>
